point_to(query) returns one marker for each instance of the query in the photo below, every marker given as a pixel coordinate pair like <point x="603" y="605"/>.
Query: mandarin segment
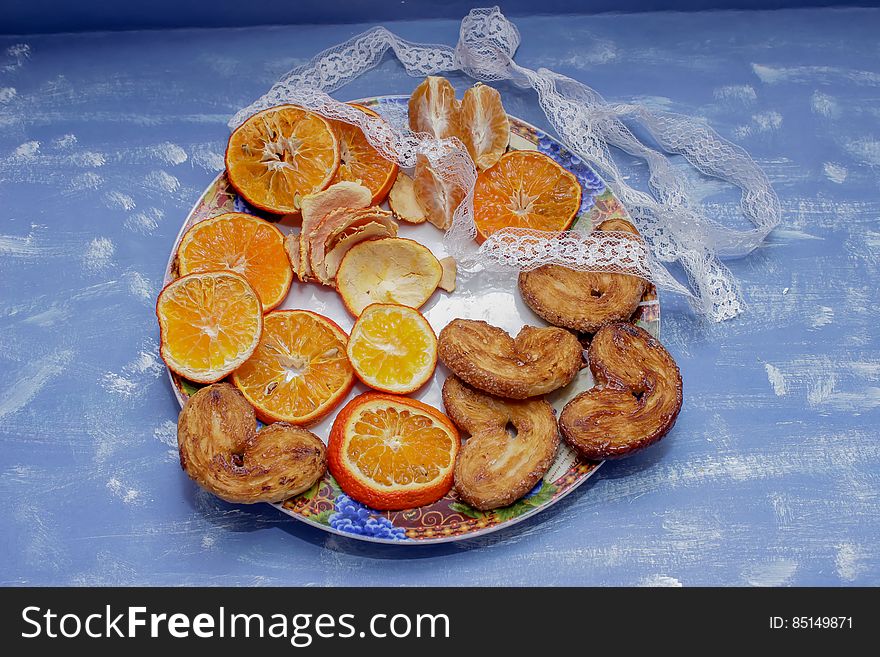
<point x="525" y="189"/>
<point x="299" y="371"/>
<point x="437" y="197"/>
<point x="433" y="108"/>
<point x="280" y="155"/>
<point x="244" y="244"/>
<point x="484" y="126"/>
<point x="209" y="324"/>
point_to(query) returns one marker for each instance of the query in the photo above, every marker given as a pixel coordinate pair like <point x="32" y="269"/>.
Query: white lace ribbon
<point x="674" y="228"/>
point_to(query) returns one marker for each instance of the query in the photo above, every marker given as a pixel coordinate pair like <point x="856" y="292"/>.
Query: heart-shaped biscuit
<point x="635" y="402"/>
<point x="511" y="446"/>
<point x="221" y="449"/>
<point x="537" y="361"/>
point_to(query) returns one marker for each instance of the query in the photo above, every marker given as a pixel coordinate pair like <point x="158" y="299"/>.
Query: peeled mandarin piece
<point x="433" y="108"/>
<point x="485" y="128"/>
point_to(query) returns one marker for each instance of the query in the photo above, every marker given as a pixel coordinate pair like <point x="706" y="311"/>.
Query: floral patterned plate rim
<point x="325" y="505"/>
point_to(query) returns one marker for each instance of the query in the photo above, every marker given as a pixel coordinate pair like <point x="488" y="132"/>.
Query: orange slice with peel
<point x="241" y="243"/>
<point x="392" y="348"/>
<point x="209" y="324"/>
<point x="525" y="189"/>
<point x="392" y="452"/>
<point x="360" y="162"/>
<point x="390" y="270"/>
<point x="280" y="155"/>
<point x="299" y="371"/>
<point x="433" y="108"/>
<point x="484" y="126"/>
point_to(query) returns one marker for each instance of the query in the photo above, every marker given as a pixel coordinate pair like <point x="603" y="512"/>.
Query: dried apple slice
<point x="392" y="270"/>
<point x="403" y="200"/>
<point x="315" y="207"/>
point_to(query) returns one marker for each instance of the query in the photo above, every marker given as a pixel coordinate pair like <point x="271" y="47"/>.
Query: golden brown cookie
<point x="636" y="400"/>
<point x="537" y="361"/>
<point x="580" y="300"/>
<point x="221" y="449"/>
<point x="496" y="467"/>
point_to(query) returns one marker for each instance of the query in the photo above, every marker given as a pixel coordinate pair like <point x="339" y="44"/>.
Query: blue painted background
<point x="47" y="16"/>
<point x="770" y="476"/>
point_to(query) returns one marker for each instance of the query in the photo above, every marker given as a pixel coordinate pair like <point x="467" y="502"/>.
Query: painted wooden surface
<point x="769" y="478"/>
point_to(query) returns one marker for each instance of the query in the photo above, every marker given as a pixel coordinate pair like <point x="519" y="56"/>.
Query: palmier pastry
<point x="495" y="468"/>
<point x="221" y="449"/>
<point x="537" y="361"/>
<point x="636" y="400"/>
<point x="581" y="300"/>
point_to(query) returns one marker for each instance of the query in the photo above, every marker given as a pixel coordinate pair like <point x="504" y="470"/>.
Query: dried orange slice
<point x="484" y="127"/>
<point x="209" y="324"/>
<point x="391" y="452"/>
<point x="279" y="155"/>
<point x="392" y="348"/>
<point x="360" y="162"/>
<point x="241" y="243"/>
<point x="299" y="371"/>
<point x="390" y="270"/>
<point x="433" y="108"/>
<point x="525" y="189"/>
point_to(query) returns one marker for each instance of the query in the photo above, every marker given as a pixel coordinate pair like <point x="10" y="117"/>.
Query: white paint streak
<point x="112" y="382"/>
<point x="162" y="181"/>
<point x="740" y="93"/>
<point x="18" y="53"/>
<point x="778" y="74"/>
<point x="208" y="159"/>
<point x="145" y="222"/>
<point x="139" y="285"/>
<point x="20" y="392"/>
<point x="99" y="254"/>
<point x="127" y="494"/>
<point x="119" y="201"/>
<point x="824" y="105"/>
<point x="865" y="149"/>
<point x="822" y="317"/>
<point x="767" y="121"/>
<point x="84" y="182"/>
<point x="65" y="142"/>
<point x="836" y="173"/>
<point x="168" y="153"/>
<point x="848" y="561"/>
<point x="88" y="159"/>
<point x="660" y="581"/>
<point x="776" y="379"/>
<point x="26" y="151"/>
<point x="773" y="573"/>
<point x="166" y="433"/>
